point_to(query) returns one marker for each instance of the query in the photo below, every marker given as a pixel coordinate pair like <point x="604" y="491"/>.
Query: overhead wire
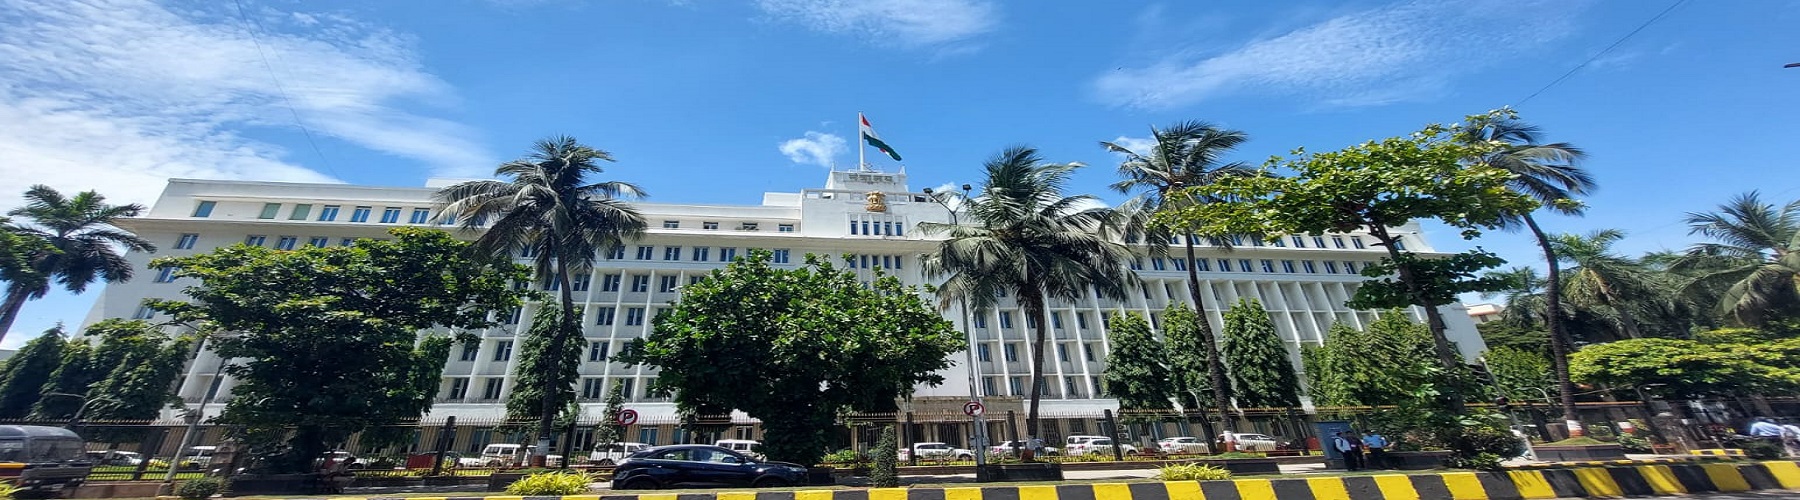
<point x="1603" y="52"/>
<point x="251" y="27"/>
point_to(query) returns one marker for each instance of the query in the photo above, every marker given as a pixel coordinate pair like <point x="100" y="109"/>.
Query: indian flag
<point x="868" y="133"/>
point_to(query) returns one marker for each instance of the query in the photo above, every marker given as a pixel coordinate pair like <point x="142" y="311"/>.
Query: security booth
<point x="36" y="457"/>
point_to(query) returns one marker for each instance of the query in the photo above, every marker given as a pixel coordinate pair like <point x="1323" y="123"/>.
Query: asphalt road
<point x="1770" y="495"/>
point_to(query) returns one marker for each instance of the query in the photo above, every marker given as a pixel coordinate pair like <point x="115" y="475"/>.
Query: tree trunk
<point x="570" y="326"/>
<point x="1034" y="302"/>
<point x="1433" y="319"/>
<point x="1559" y="340"/>
<point x="9" y="310"/>
<point x="1215" y="367"/>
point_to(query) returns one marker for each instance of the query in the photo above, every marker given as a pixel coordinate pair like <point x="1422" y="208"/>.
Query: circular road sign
<point x="972" y="408"/>
<point x="627" y="417"/>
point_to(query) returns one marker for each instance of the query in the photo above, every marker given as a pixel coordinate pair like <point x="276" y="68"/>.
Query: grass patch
<point x="1579" y="440"/>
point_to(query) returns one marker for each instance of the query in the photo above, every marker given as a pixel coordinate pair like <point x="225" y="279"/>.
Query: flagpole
<point x="861" y="144"/>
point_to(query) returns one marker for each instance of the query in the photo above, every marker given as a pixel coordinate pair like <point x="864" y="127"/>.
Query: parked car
<point x="701" y="466"/>
<point x="506" y="455"/>
<point x="331" y="459"/>
<point x="612" y="453"/>
<point x="937" y="451"/>
<point x="115" y="458"/>
<point x="744" y="447"/>
<point x="1005" y="449"/>
<point x="41" y="458"/>
<point x="1183" y="445"/>
<point x="198" y="457"/>
<point x="1257" y="442"/>
<point x="1094" y="445"/>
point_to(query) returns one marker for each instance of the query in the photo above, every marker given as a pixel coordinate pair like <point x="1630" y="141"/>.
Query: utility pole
<point x="979" y="424"/>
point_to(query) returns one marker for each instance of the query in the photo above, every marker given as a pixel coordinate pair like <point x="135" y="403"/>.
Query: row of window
<point x="984" y="352"/>
<point x="598" y="350"/>
<point x="1251" y="266"/>
<point x="1298" y="241"/>
<point x="593" y="388"/>
<point x="742" y="226"/>
<point x="877" y="225"/>
<point x="1073" y="387"/>
<point x="329" y="213"/>
<point x="697" y="254"/>
<point x="604" y="315"/>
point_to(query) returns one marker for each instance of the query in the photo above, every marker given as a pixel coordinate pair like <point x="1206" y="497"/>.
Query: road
<point x="1761" y="495"/>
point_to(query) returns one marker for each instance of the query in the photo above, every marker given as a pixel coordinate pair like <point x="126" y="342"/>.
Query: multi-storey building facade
<point x="873" y="217"/>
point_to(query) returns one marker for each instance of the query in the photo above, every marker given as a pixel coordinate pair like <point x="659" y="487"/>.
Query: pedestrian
<point x="1351" y="448"/>
<point x="1228" y="441"/>
<point x="1790" y="440"/>
<point x="1377" y="448"/>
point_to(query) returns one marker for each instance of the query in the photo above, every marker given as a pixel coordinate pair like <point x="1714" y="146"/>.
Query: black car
<point x="701" y="466"/>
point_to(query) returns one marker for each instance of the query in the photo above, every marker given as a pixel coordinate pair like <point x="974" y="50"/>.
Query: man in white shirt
<point x="1351" y="448"/>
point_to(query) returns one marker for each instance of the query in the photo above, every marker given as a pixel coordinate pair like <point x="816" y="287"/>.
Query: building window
<point x="784" y="228"/>
<point x="318" y="241"/>
<point x="1268" y="266"/>
<point x="989" y="387"/>
<point x="1070" y="389"/>
<point x="667" y="284"/>
<point x="671" y="224"/>
<point x="1330" y="267"/>
<point x="269" y="210"/>
<point x="746" y="226"/>
<point x="1278" y="243"/>
<point x="1017" y="384"/>
<point x="1005" y="319"/>
<point x="492" y="391"/>
<point x="1318" y="241"/>
<point x="1137" y="264"/>
<point x="1349" y="267"/>
<point x="645" y="251"/>
<point x="625" y="388"/>
<point x="1012" y="352"/>
<point x="390" y="215"/>
<point x="1357" y="242"/>
<point x="420" y="216"/>
<point x="1062" y="353"/>
<point x="1308" y="266"/>
<point x="459" y="388"/>
<point x="582" y="282"/>
<point x="1087" y="350"/>
<point x="671" y="253"/>
<point x="360" y="214"/>
<point x="609" y="283"/>
<point x="1056" y="320"/>
<point x="1287" y="266"/>
<point x="503" y="350"/>
<point x="1180" y="264"/>
<point x="1202" y="265"/>
<point x="513" y="317"/>
<point x="300" y="211"/>
<point x="1031" y="322"/>
<point x="727" y="254"/>
<point x="328" y="213"/>
<point x="605" y="316"/>
<point x="186" y="241"/>
<point x="591" y="388"/>
<point x="144" y="312"/>
<point x="709" y="226"/>
<point x="1081" y="320"/>
<point x="640" y="283"/>
<point x="781" y="256"/>
<point x="1337" y="241"/>
<point x="286" y="242"/>
<point x="1400" y="244"/>
<point x="701" y="254"/>
<point x="1156" y="264"/>
<point x="256" y="240"/>
<point x="1244" y="265"/>
<point x="983" y="353"/>
<point x="1299" y="241"/>
<point x="553" y="284"/>
<point x="615" y="252"/>
<point x="597" y="351"/>
<point x="204" y="209"/>
<point x="470" y="351"/>
<point x="981" y="322"/>
<point x="694" y="280"/>
<point x="634" y="316"/>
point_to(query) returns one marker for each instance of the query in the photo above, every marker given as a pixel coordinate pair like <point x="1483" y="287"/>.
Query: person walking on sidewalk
<point x="1351" y="448"/>
<point x="1377" y="448"/>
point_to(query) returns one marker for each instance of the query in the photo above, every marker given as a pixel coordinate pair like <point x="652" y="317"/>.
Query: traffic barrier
<point x="1718" y="452"/>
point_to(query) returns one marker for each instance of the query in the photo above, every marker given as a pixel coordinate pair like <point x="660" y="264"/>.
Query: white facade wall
<point x="1304" y="283"/>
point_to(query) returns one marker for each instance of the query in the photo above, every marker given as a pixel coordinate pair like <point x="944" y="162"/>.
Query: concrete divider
<point x="1588" y="482"/>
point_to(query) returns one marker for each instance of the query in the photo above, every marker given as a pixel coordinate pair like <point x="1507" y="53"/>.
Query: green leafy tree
<point x="346" y="321"/>
<point x="1601" y="281"/>
<point x="86" y="245"/>
<point x="67" y="388"/>
<point x="1751" y="269"/>
<point x="1510" y="335"/>
<point x="1680" y="368"/>
<point x="791" y="347"/>
<point x="550" y="207"/>
<point x="18" y="257"/>
<point x="139" y="387"/>
<point x="609" y="431"/>
<point x="1262" y="373"/>
<point x="1025" y="236"/>
<point x="1187" y="362"/>
<point x="1136" y="370"/>
<point x="1389" y="363"/>
<point x="543" y="360"/>
<point x="1376" y="186"/>
<point x="1520" y="374"/>
<point x="885" y="473"/>
<point x="24" y="375"/>
<point x="1186" y="154"/>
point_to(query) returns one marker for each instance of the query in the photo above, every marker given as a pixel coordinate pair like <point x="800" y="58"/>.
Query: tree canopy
<point x="344" y="320"/>
<point x="1262" y="373"/>
<point x="1388" y="363"/>
<point x="1137" y="371"/>
<point x="793" y="346"/>
<point x="1683" y="368"/>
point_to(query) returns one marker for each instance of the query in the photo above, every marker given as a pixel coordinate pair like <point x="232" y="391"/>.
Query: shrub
<point x="1634" y="444"/>
<point x="1191" y="472"/>
<point x="550" y="484"/>
<point x="7" y="490"/>
<point x="886" y="454"/>
<point x="1759" y="449"/>
<point x="1479" y="461"/>
<point x="844" y="456"/>
<point x="199" y="489"/>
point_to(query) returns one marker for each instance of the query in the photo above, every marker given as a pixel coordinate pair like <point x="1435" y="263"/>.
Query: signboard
<point x="972" y="408"/>
<point x="628" y="417"/>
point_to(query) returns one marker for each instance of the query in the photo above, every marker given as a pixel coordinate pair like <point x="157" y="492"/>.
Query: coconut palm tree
<point x="1523" y="297"/>
<point x="1753" y="263"/>
<point x="548" y="202"/>
<point x="1185" y="154"/>
<point x="1022" y="234"/>
<point x="1552" y="174"/>
<point x="1616" y="287"/>
<point x="84" y="245"/>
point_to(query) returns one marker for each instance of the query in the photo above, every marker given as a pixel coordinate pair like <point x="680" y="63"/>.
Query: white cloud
<point x="1139" y="145"/>
<point x="815" y="148"/>
<point x="903" y="23"/>
<point x="119" y="95"/>
<point x="1403" y="51"/>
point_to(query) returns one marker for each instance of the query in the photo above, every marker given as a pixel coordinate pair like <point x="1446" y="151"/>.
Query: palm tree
<point x="1022" y="234"/>
<point x="1186" y="154"/>
<point x="1614" y="286"/>
<point x="1523" y="297"/>
<point x="1552" y="174"/>
<point x="548" y="203"/>
<point x="84" y="245"/>
<point x="1753" y="263"/>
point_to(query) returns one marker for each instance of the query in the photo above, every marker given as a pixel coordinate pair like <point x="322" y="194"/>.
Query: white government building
<point x="1303" y="281"/>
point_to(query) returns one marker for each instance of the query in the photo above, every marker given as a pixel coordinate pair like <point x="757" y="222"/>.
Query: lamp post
<point x="194" y="417"/>
<point x="981" y="441"/>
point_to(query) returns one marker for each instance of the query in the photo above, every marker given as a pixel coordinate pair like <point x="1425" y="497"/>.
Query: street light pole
<point x="193" y="417"/>
<point x="980" y="424"/>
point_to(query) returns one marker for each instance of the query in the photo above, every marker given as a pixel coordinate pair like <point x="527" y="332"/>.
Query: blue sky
<point x="720" y="100"/>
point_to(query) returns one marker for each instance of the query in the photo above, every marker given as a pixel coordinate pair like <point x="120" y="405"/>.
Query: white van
<point x="507" y="455"/>
<point x="609" y="454"/>
<point x="744" y="446"/>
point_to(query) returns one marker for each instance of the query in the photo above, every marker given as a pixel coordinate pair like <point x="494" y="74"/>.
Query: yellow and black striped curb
<point x="1717" y="452"/>
<point x="1615" y="463"/>
<point x="1593" y="482"/>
